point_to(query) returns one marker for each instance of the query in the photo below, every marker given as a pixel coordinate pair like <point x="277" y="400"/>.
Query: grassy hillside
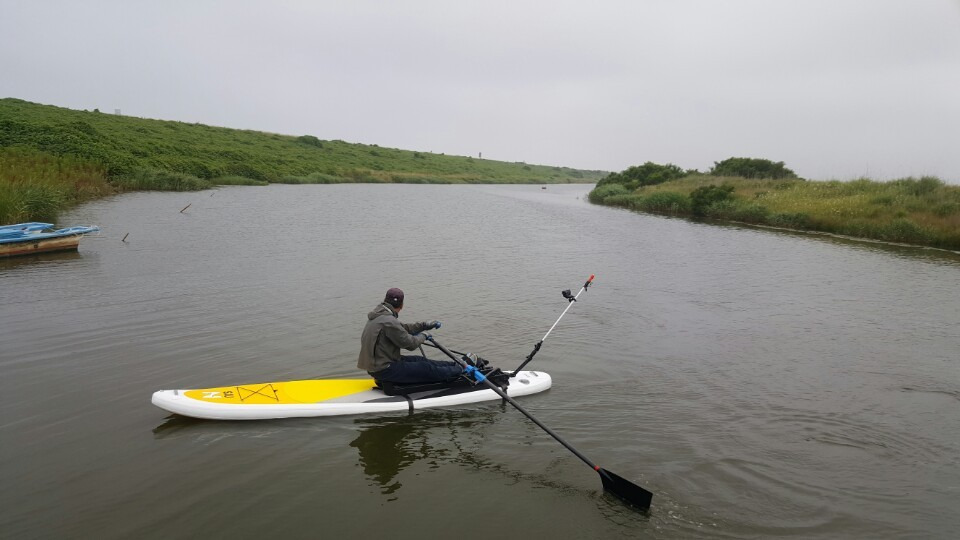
<point x="51" y="158"/>
<point x="127" y="146"/>
<point x="921" y="211"/>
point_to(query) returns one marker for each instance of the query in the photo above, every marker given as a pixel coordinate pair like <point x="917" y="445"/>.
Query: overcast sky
<point x="835" y="88"/>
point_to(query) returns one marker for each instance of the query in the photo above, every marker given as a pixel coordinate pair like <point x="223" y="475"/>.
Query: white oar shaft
<point x="570" y="305"/>
<point x="570" y="301"/>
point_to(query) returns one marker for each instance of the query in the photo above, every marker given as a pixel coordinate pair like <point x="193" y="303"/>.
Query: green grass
<point x="54" y="157"/>
<point x="922" y="211"/>
<point x="126" y="145"/>
<point x="34" y="185"/>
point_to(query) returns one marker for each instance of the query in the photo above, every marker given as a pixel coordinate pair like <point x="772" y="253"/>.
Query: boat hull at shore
<point x="47" y="245"/>
<point x="330" y="397"/>
<point x="17" y="240"/>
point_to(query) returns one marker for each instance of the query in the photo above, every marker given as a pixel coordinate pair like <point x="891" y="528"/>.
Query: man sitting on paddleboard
<point x="384" y="336"/>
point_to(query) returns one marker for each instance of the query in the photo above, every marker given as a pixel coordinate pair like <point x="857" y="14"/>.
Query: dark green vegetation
<point x="35" y="185"/>
<point x="751" y="168"/>
<point x="651" y="174"/>
<point x="131" y="153"/>
<point x="648" y="174"/>
<point x="922" y="211"/>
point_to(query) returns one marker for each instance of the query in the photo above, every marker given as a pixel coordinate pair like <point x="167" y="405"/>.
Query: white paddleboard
<point x="329" y="397"/>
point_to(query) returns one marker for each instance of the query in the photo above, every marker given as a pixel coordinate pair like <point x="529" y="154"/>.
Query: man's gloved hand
<point x="433" y="324"/>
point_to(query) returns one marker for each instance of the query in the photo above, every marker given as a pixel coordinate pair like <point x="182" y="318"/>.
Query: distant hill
<point x="129" y="146"/>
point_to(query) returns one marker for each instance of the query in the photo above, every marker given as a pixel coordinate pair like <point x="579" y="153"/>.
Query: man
<point x="384" y="336"/>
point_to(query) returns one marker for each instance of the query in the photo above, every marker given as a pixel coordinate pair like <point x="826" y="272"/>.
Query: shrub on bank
<point x="904" y="230"/>
<point x="751" y="168"/>
<point x="789" y="220"/>
<point x="159" y="180"/>
<point x="648" y="174"/>
<point x="665" y="202"/>
<point x="35" y="185"/>
<point x="947" y="209"/>
<point x="737" y="210"/>
<point x="901" y="230"/>
<point x="237" y="181"/>
<point x="310" y="140"/>
<point x="600" y="193"/>
<point x="918" y="188"/>
<point x="423" y="179"/>
<point x="624" y="200"/>
<point x="702" y="198"/>
<point x="30" y="202"/>
<point x="312" y="178"/>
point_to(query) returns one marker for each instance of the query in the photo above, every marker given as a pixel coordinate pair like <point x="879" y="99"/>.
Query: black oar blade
<point x="625" y="490"/>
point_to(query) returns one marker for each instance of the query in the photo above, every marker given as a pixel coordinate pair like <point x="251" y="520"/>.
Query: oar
<point x="625" y="490"/>
<point x="570" y="300"/>
<point x="454" y="351"/>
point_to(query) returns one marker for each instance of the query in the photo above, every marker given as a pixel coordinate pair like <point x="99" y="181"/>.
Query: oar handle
<point x="429" y="344"/>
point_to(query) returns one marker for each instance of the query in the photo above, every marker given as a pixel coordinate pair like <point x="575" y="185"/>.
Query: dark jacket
<point x="384" y="336"/>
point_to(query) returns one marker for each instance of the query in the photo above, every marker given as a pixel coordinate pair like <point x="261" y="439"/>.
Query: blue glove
<point x="428" y="337"/>
<point x="433" y="324"/>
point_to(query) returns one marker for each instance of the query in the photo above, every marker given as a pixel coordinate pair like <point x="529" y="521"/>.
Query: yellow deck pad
<point x="276" y="393"/>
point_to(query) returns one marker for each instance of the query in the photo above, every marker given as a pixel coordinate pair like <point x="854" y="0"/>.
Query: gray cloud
<point x="837" y="89"/>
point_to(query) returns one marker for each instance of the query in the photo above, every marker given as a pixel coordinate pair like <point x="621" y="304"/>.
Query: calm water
<point x="761" y="384"/>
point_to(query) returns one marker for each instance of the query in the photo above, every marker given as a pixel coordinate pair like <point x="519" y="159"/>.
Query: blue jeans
<point x="417" y="369"/>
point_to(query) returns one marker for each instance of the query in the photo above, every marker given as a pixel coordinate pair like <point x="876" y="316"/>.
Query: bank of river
<point x="760" y="384"/>
<point x="52" y="158"/>
<point x="923" y="211"/>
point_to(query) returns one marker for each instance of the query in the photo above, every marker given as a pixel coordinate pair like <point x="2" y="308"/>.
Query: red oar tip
<point x="591" y="278"/>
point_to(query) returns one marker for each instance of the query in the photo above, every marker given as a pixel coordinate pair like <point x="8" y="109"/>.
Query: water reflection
<point x="45" y="259"/>
<point x="210" y="431"/>
<point x="386" y="445"/>
<point x="389" y="445"/>
<point x="172" y="425"/>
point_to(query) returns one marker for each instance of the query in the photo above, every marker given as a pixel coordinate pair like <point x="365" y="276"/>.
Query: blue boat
<point x="7" y="231"/>
<point x="34" y="237"/>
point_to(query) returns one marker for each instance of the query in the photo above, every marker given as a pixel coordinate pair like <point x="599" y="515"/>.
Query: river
<point x="762" y="384"/>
